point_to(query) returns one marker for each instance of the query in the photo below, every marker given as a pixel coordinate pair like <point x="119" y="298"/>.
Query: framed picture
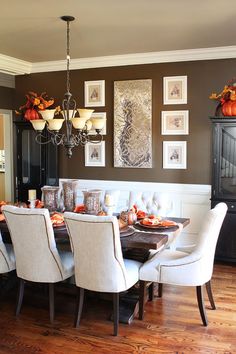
<point x="133" y="123"/>
<point x="101" y="115"/>
<point x="175" y="154"/>
<point x="2" y="160"/>
<point x="95" y="154"/>
<point x="174" y="122"/>
<point x="94" y="93"/>
<point x="175" y="90"/>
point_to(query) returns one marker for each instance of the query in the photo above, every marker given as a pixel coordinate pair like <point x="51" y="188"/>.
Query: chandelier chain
<point x="68" y="57"/>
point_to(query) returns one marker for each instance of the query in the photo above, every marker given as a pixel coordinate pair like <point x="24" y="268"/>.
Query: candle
<point x="108" y="200"/>
<point x="31" y="194"/>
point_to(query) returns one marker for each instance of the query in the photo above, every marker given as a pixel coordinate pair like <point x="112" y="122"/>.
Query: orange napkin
<point x="80" y="208"/>
<point x="57" y="218"/>
<point x="39" y="204"/>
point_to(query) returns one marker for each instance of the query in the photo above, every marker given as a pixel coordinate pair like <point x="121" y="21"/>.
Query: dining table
<point x="136" y="242"/>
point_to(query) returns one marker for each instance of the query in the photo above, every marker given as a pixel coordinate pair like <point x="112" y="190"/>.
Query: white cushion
<point x="151" y="270"/>
<point x="151" y="202"/>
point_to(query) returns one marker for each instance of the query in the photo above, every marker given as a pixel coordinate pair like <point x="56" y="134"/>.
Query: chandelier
<point x="77" y="129"/>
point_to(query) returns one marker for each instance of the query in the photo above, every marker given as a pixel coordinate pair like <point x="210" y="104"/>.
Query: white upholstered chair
<point x="187" y="269"/>
<point x="7" y="257"/>
<point x="37" y="257"/>
<point x="99" y="264"/>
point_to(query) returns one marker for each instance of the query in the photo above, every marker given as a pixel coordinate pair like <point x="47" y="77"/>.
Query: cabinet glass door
<point x="227" y="178"/>
<point x="31" y="159"/>
<point x="30" y="163"/>
<point x="37" y="165"/>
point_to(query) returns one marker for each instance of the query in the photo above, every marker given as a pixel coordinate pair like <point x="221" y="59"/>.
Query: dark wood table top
<point x="146" y="238"/>
<point x="142" y="238"/>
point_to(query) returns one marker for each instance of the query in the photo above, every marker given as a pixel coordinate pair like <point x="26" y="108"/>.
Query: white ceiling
<point x="31" y="30"/>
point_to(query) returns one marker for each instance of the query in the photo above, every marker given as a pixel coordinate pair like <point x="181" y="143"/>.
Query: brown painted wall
<point x="7" y="96"/>
<point x="203" y="78"/>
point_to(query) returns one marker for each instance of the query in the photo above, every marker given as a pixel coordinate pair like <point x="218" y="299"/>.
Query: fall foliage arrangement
<point x="227" y="99"/>
<point x="34" y="104"/>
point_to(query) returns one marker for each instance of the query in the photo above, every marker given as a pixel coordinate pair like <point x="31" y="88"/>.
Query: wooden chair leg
<point x="142" y="290"/>
<point x="20" y="296"/>
<point x="79" y="306"/>
<point x="160" y="289"/>
<point x="116" y="313"/>
<point x="210" y="295"/>
<point x="151" y="292"/>
<point x="201" y="306"/>
<point x="51" y="301"/>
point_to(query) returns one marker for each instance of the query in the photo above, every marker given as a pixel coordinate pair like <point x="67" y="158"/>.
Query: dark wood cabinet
<point x="36" y="165"/>
<point x="224" y="183"/>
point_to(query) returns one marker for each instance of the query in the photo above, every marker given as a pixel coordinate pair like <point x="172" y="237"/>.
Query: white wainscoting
<point x="188" y="200"/>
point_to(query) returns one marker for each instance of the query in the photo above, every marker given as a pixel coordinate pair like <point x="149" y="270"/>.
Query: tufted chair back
<point x="32" y="235"/>
<point x="99" y="264"/>
<point x="151" y="202"/>
<point x="7" y="259"/>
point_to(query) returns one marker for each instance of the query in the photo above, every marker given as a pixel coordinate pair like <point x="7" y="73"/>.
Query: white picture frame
<point x="94" y="93"/>
<point x="174" y="154"/>
<point x="175" y="90"/>
<point x="175" y="122"/>
<point x="2" y="160"/>
<point x="95" y="154"/>
<point x="101" y="115"/>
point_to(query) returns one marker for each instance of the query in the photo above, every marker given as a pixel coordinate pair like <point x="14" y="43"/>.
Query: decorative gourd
<point x="128" y="217"/>
<point x="229" y="108"/>
<point x="31" y="114"/>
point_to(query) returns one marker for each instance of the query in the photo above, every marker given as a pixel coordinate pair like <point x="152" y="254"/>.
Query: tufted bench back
<point x="151" y="202"/>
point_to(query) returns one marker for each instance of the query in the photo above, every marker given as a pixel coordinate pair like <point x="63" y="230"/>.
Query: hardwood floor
<point x="171" y="324"/>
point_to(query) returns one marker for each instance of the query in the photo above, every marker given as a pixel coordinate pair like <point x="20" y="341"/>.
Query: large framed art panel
<point x="133" y="123"/>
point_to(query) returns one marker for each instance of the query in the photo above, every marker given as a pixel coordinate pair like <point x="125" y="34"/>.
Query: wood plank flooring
<point x="171" y="324"/>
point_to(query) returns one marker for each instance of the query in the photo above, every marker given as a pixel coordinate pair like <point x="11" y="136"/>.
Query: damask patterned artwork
<point x="133" y="123"/>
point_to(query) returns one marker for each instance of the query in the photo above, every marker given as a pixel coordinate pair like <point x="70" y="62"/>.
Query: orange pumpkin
<point x="31" y="114"/>
<point x="229" y="108"/>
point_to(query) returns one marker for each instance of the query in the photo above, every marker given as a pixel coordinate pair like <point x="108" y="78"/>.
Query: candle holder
<point x="32" y="203"/>
<point x="50" y="197"/>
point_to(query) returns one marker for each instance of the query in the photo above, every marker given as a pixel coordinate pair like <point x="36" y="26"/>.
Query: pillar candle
<point x="31" y="194"/>
<point x="108" y="200"/>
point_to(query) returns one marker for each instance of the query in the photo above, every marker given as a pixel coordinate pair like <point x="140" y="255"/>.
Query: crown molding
<point x="139" y="58"/>
<point x="16" y="66"/>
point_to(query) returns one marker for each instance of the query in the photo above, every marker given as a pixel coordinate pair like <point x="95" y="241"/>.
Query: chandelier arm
<point x="100" y="139"/>
<point x="42" y="139"/>
<point x="58" y="139"/>
<point x="77" y="138"/>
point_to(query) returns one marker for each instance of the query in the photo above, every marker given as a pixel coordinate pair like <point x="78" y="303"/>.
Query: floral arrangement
<point x="226" y="98"/>
<point x="34" y="104"/>
<point x="227" y="94"/>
